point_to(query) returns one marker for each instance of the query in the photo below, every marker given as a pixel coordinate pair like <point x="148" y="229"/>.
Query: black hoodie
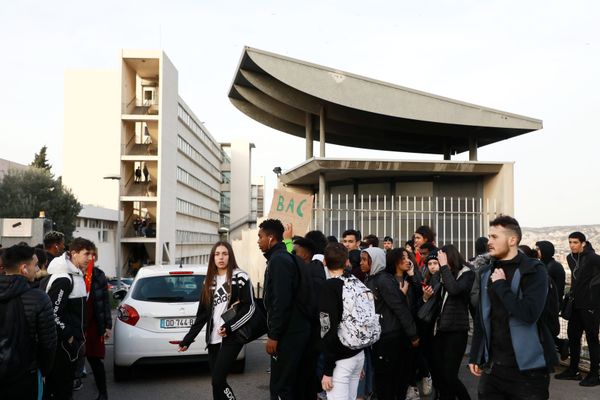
<point x="555" y="269"/>
<point x="585" y="286"/>
<point x="39" y="315"/>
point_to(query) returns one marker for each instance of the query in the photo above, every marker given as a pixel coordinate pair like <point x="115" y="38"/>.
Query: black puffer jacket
<point x="99" y="295"/>
<point x="40" y="318"/>
<point x="454" y="315"/>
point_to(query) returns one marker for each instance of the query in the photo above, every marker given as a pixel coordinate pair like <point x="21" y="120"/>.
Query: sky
<point x="540" y="59"/>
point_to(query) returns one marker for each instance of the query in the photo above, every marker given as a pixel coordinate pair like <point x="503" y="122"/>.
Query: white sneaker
<point x="412" y="393"/>
<point x="427" y="384"/>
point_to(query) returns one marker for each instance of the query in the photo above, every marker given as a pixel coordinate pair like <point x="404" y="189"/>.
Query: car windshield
<point x="168" y="289"/>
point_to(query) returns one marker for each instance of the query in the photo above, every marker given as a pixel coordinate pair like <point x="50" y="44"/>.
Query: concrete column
<point x="322" y="132"/>
<point x="322" y="193"/>
<point x="472" y="148"/>
<point x="309" y="136"/>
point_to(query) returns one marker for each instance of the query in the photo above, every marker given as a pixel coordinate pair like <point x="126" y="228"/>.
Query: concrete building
<point x="100" y="226"/>
<point x="240" y="194"/>
<point x="7" y="165"/>
<point x="384" y="197"/>
<point x="166" y="164"/>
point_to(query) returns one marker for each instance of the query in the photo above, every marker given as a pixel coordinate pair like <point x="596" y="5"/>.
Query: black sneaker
<point x="569" y="375"/>
<point x="77" y="384"/>
<point x="590" y="380"/>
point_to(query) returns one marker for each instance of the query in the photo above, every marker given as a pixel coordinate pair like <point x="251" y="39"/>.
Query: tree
<point x="40" y="161"/>
<point x="23" y="194"/>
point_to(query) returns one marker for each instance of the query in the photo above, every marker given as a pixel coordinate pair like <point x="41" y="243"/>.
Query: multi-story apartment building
<point x="241" y="195"/>
<point x="131" y="125"/>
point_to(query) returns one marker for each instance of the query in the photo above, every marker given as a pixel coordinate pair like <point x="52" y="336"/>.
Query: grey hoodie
<point x="377" y="259"/>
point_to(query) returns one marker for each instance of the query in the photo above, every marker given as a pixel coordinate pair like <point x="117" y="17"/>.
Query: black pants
<point x="307" y="373"/>
<point x="284" y="382"/>
<point x="59" y="382"/>
<point x="588" y="322"/>
<point x="393" y="368"/>
<point x="448" y="352"/>
<point x="221" y="358"/>
<point x="99" y="374"/>
<point x="23" y="388"/>
<point x="508" y="383"/>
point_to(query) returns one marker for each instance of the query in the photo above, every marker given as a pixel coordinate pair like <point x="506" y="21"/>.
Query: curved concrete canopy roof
<point x="278" y="91"/>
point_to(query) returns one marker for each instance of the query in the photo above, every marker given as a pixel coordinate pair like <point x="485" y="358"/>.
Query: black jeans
<point x="508" y="383"/>
<point x="23" y="388"/>
<point x="393" y="368"/>
<point x="448" y="352"/>
<point x="221" y="358"/>
<point x="285" y="382"/>
<point x="588" y="322"/>
<point x="59" y="382"/>
<point x="99" y="373"/>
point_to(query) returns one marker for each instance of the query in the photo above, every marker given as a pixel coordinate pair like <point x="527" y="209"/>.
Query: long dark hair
<point x="456" y="261"/>
<point x="206" y="296"/>
<point x="393" y="257"/>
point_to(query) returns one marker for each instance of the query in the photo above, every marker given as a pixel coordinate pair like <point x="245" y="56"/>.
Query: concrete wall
<point x="32" y="235"/>
<point x="500" y="187"/>
<point x="91" y="143"/>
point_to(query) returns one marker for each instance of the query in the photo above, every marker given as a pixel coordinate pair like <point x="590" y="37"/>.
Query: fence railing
<point x="456" y="220"/>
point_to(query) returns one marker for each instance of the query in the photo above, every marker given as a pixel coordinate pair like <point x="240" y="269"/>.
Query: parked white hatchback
<point x="154" y="316"/>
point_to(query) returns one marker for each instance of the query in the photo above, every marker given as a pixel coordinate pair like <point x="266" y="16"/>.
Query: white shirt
<point x="220" y="300"/>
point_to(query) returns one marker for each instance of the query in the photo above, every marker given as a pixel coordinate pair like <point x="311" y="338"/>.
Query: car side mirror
<point x="120" y="294"/>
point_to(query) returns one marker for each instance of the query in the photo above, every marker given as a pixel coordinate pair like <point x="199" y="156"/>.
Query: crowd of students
<point x="54" y="313"/>
<point x="345" y="320"/>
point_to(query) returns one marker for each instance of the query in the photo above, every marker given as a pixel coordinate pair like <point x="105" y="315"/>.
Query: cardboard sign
<point x="294" y="208"/>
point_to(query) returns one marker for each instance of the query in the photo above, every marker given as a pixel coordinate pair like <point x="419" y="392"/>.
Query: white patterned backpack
<point x="359" y="326"/>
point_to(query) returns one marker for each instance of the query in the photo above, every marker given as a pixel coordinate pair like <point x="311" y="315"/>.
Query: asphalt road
<point x="192" y="381"/>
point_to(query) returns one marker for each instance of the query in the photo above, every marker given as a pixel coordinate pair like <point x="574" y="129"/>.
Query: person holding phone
<point x="224" y="286"/>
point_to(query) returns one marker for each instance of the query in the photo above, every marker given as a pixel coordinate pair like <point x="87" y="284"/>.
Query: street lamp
<point x="118" y="247"/>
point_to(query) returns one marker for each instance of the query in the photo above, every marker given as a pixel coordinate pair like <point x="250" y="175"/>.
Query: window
<point x="169" y="289"/>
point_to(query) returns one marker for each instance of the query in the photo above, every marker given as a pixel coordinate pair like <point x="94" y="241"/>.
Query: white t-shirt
<point x="220" y="300"/>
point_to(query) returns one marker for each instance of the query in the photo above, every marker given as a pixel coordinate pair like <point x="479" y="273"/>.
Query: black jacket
<point x="282" y="280"/>
<point x="585" y="285"/>
<point x="40" y="318"/>
<point x="555" y="269"/>
<point x="330" y="310"/>
<point x="241" y="291"/>
<point x="396" y="319"/>
<point x="101" y="301"/>
<point x="454" y="315"/>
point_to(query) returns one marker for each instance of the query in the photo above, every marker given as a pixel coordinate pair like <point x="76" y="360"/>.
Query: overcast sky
<point x="536" y="58"/>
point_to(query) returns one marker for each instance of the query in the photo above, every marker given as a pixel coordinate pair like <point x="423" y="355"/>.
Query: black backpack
<point x="305" y="298"/>
<point x="16" y="345"/>
<point x="551" y="310"/>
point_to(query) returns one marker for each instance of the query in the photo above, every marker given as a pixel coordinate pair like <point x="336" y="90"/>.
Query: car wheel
<point x="121" y="373"/>
<point x="239" y="366"/>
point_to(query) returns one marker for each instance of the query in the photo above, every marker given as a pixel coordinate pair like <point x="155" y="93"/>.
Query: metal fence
<point x="456" y="220"/>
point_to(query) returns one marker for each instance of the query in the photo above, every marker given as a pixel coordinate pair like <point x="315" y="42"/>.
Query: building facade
<point x="162" y="167"/>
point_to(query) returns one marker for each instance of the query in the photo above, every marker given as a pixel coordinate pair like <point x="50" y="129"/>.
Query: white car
<point x="155" y="315"/>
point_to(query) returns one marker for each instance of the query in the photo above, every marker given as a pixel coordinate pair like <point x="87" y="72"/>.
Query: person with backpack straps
<point x="287" y="299"/>
<point x="348" y="324"/>
<point x="398" y="329"/>
<point x="66" y="288"/>
<point x="511" y="351"/>
<point x="27" y="329"/>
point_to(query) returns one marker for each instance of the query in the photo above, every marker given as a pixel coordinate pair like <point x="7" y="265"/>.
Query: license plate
<point x="174" y="323"/>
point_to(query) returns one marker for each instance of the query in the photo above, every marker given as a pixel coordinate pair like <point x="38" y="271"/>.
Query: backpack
<point x="305" y="295"/>
<point x="16" y="345"/>
<point x="359" y="326"/>
<point x="550" y="313"/>
<point x="551" y="309"/>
